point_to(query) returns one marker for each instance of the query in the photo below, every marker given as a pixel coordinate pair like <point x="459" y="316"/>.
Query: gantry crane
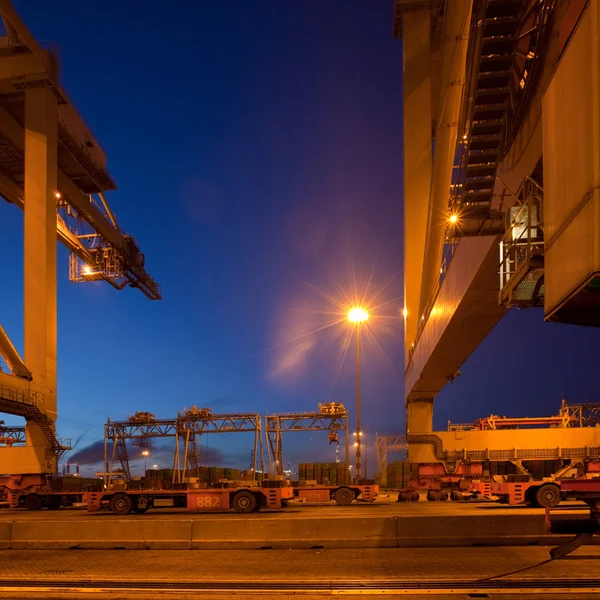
<point x="496" y="213"/>
<point x="331" y="417"/>
<point x="184" y="428"/>
<point x="52" y="168"/>
<point x="10" y="435"/>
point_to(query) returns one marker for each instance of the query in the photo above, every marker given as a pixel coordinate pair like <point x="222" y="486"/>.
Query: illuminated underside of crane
<point x="54" y="170"/>
<point x="490" y="220"/>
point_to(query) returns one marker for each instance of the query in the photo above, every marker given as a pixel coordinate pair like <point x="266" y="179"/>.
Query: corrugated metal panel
<point x="571" y="139"/>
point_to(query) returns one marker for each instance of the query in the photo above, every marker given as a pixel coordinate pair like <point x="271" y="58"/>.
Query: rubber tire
<point x="121" y="504"/>
<point x="261" y="501"/>
<point x="54" y="504"/>
<point x="443" y="496"/>
<point x="344" y="496"/>
<point x="548" y="496"/>
<point x="34" y="502"/>
<point x="455" y="496"/>
<point x="415" y="497"/>
<point x="432" y="496"/>
<point x="244" y="502"/>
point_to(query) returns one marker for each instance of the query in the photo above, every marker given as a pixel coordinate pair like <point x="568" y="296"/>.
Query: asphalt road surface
<point x="505" y="572"/>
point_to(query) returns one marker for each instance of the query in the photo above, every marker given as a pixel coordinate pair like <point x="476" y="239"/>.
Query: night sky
<point x="257" y="147"/>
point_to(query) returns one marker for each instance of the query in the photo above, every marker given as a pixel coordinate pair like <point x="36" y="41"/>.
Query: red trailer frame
<point x="342" y="494"/>
<point x="242" y="500"/>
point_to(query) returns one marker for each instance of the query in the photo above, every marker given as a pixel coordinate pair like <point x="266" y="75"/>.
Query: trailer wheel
<point x="344" y="496"/>
<point x="34" y="502"/>
<point x="54" y="504"/>
<point x="548" y="496"/>
<point x="244" y="502"/>
<point x="415" y="497"/>
<point x="121" y="504"/>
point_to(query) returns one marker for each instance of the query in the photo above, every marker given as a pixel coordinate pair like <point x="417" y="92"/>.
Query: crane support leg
<point x="419" y="421"/>
<point x="40" y="241"/>
<point x="40" y="266"/>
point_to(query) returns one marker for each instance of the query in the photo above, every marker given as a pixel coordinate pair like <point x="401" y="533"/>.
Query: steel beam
<point x="454" y="53"/>
<point x="417" y="159"/>
<point x="40" y="249"/>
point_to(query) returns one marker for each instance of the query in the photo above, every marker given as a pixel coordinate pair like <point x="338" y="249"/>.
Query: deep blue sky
<point x="257" y="147"/>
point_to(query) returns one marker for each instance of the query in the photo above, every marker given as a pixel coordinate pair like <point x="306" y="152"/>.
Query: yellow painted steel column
<point x="454" y="53"/>
<point x="417" y="159"/>
<point x="419" y="420"/>
<point x="40" y="247"/>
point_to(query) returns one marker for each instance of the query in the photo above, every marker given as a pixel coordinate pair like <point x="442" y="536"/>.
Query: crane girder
<point x="83" y="226"/>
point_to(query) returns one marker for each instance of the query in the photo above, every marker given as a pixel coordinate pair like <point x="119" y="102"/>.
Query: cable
<point x="544" y="562"/>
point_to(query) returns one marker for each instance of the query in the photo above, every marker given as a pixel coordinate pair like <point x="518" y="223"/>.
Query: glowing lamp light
<point x="57" y="195"/>
<point x="357" y="314"/>
<point x="145" y="453"/>
<point x="405" y="313"/>
<point x="453" y="218"/>
<point x="86" y="270"/>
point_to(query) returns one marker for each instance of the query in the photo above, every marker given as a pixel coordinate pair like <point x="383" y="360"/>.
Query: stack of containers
<point x="323" y="473"/>
<point x="399" y="474"/>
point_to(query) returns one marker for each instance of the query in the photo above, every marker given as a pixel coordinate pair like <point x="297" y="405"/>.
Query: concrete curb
<point x="248" y="534"/>
<point x="376" y="532"/>
<point x="98" y="535"/>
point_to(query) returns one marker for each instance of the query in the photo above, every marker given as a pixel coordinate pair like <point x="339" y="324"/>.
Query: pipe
<point x="454" y="53"/>
<point x="11" y="356"/>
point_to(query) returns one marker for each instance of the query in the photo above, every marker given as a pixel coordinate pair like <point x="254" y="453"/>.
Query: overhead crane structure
<point x="331" y="417"/>
<point x="185" y="428"/>
<point x="11" y="435"/>
<point x="53" y="168"/>
<point x="496" y="214"/>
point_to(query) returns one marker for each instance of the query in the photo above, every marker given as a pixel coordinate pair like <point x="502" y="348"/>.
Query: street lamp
<point x="145" y="454"/>
<point x="364" y="442"/>
<point x="357" y="315"/>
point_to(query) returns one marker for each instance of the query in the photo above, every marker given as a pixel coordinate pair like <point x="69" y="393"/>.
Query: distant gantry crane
<point x="188" y="425"/>
<point x="9" y="436"/>
<point x="331" y="417"/>
<point x="53" y="168"/>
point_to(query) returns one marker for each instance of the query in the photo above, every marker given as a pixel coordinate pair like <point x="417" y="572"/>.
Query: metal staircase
<point x="503" y="59"/>
<point x="522" y="250"/>
<point x="16" y="398"/>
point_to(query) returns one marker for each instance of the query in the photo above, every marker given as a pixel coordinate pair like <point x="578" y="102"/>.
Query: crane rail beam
<point x="305" y="422"/>
<point x="10" y="435"/>
<point x="225" y="423"/>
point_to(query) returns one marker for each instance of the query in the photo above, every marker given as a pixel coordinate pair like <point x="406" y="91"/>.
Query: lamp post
<point x="357" y="316"/>
<point x="145" y="454"/>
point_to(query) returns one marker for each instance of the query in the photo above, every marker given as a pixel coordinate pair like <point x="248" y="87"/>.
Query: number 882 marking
<point x="207" y="502"/>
